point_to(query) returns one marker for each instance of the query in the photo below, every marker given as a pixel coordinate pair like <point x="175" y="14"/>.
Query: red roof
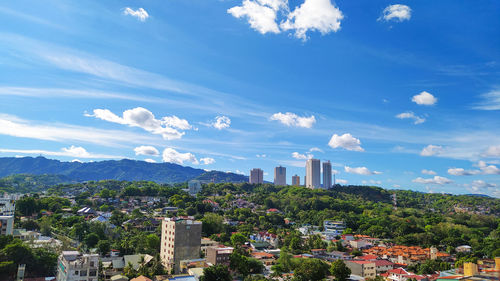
<point x="383" y="263"/>
<point x="368" y="257"/>
<point x="362" y="262"/>
<point x="273" y="210"/>
<point x="399" y="271"/>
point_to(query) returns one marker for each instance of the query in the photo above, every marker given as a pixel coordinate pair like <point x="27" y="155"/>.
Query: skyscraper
<point x="180" y="240"/>
<point x="296" y="180"/>
<point x="313" y="173"/>
<point x="327" y="175"/>
<point x="280" y="175"/>
<point x="256" y="176"/>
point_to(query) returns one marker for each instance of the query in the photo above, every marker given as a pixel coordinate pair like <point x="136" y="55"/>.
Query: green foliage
<point x="216" y="273"/>
<point x="245" y="265"/>
<point x="311" y="270"/>
<point x="238" y="239"/>
<point x="340" y="270"/>
<point x="212" y="224"/>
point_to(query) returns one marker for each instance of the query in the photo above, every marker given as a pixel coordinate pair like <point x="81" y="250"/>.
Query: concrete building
<point x="74" y="266"/>
<point x="365" y="269"/>
<point x="280" y="175"/>
<point x="7" y="206"/>
<point x="333" y="228"/>
<point x="256" y="176"/>
<point x="327" y="175"/>
<point x="180" y="240"/>
<point x="313" y="173"/>
<point x="219" y="255"/>
<point x="6" y="225"/>
<point x="194" y="186"/>
<point x="296" y="180"/>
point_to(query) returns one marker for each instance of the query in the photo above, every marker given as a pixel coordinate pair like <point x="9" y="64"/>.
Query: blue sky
<point x="395" y="94"/>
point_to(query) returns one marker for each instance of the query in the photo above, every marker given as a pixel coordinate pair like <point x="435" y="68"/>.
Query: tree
<point x="238" y="239"/>
<point x="91" y="240"/>
<point x="216" y="273"/>
<point x="212" y="224"/>
<point x="311" y="270"/>
<point x="103" y="247"/>
<point x="153" y="243"/>
<point x="340" y="270"/>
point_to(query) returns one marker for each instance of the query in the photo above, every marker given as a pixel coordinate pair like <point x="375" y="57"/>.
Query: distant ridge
<point x="125" y="169"/>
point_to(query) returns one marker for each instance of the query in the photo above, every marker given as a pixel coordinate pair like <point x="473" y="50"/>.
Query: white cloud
<point x="313" y="149"/>
<point x="462" y="172"/>
<point x="173" y="156"/>
<point x="431" y="150"/>
<point x="16" y="127"/>
<point x="488" y="169"/>
<point x="435" y="180"/>
<point x="371" y="182"/>
<point x="428" y="172"/>
<point x="146" y="150"/>
<point x="335" y="172"/>
<point x="261" y="14"/>
<point x="424" y="98"/>
<point x="360" y="171"/>
<point x="149" y="160"/>
<point x="490" y="101"/>
<point x="72" y="151"/>
<point x="293" y="120"/>
<point x="261" y="155"/>
<point x="313" y="15"/>
<point x="341" y="181"/>
<point x="221" y="122"/>
<point x="480" y="184"/>
<point x="299" y="156"/>
<point x="207" y="160"/>
<point x="492" y="151"/>
<point x="77" y="160"/>
<point x="345" y="141"/>
<point x="168" y="127"/>
<point x="396" y="185"/>
<point x="140" y="13"/>
<point x="411" y="115"/>
<point x="396" y="12"/>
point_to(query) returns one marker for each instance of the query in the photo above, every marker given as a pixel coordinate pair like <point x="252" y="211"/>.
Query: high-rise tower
<point x="313" y="173"/>
<point x="280" y="175"/>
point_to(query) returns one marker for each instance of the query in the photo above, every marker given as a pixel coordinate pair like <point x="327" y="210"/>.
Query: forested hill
<point x="130" y="170"/>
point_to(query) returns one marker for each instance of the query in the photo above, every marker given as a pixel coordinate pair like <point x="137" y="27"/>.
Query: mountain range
<point x="125" y="169"/>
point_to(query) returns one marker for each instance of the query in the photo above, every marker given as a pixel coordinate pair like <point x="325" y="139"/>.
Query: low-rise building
<point x="74" y="266"/>
<point x="219" y="255"/>
<point x="6" y="225"/>
<point x="365" y="269"/>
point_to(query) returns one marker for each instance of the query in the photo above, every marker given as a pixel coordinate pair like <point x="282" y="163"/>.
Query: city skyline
<point x="398" y="95"/>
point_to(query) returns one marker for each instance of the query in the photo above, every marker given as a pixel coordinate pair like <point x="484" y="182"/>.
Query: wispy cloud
<point x="72" y="151"/>
<point x="411" y="115"/>
<point x="140" y="13"/>
<point x="489" y="101"/>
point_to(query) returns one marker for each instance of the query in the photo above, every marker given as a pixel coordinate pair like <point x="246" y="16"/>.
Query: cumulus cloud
<point x="431" y="150"/>
<point x="261" y="14"/>
<point x="462" y="172"/>
<point x="221" y="122"/>
<point x="146" y="150"/>
<point x="311" y="15"/>
<point x="149" y="160"/>
<point x="207" y="160"/>
<point x="171" y="155"/>
<point x="411" y="115"/>
<point x="428" y="172"/>
<point x="346" y="141"/>
<point x="168" y="127"/>
<point x="360" y="171"/>
<point x="76" y="151"/>
<point x="492" y="151"/>
<point x="480" y="184"/>
<point x="299" y="156"/>
<point x="488" y="169"/>
<point x="435" y="180"/>
<point x="396" y="12"/>
<point x="424" y="98"/>
<point x="140" y="13"/>
<point x="293" y="120"/>
<point x="341" y="181"/>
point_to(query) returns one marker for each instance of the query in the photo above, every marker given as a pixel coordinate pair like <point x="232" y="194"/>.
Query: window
<point x="91" y="264"/>
<point x="76" y="272"/>
<point x="93" y="273"/>
<point x="83" y="273"/>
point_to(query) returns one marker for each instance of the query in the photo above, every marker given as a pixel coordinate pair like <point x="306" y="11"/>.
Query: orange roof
<point x="141" y="278"/>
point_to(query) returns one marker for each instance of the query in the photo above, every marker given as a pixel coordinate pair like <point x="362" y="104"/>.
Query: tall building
<point x="280" y="175"/>
<point x="296" y="180"/>
<point x="313" y="173"/>
<point x="180" y="240"/>
<point x="256" y="176"/>
<point x="74" y="266"/>
<point x="7" y="206"/>
<point x="327" y="175"/>
<point x="6" y="225"/>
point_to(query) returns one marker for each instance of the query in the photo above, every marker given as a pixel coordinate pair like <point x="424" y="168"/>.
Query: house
<point x="265" y="258"/>
<point x="337" y="255"/>
<point x="260" y="245"/>
<point x="219" y="255"/>
<point x="318" y="252"/>
<point x="463" y="249"/>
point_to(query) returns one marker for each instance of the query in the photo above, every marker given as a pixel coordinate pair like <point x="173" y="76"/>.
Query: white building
<point x="280" y="175"/>
<point x="74" y="266"/>
<point x="6" y="225"/>
<point x="313" y="173"/>
<point x="194" y="186"/>
<point x="333" y="228"/>
<point x="7" y="206"/>
<point x="327" y="175"/>
<point x="256" y="176"/>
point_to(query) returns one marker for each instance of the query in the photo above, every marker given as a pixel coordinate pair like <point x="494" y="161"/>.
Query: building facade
<point x="74" y="266"/>
<point x="333" y="228"/>
<point x="256" y="176"/>
<point x="6" y="225"/>
<point x="313" y="173"/>
<point x="327" y="175"/>
<point x="180" y="240"/>
<point x="296" y="180"/>
<point x="280" y="175"/>
<point x="365" y="269"/>
<point x="219" y="255"/>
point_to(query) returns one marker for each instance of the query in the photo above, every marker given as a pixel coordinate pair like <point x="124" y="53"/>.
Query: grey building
<point x="313" y="173"/>
<point x="256" y="176"/>
<point x="74" y="266"/>
<point x="327" y="175"/>
<point x="296" y="180"/>
<point x="280" y="175"/>
<point x="180" y="240"/>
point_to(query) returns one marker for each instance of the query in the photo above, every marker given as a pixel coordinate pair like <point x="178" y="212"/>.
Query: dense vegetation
<point x="418" y="219"/>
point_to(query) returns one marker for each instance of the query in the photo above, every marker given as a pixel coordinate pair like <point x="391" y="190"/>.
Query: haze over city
<point x="398" y="95"/>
